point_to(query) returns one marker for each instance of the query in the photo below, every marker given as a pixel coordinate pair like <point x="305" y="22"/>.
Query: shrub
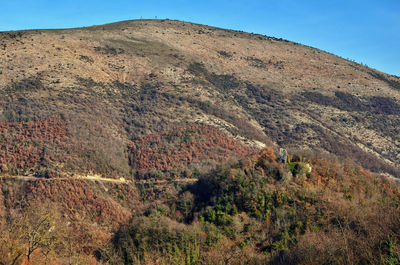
<point x="225" y="54"/>
<point x="149" y="240"/>
<point x="299" y="168"/>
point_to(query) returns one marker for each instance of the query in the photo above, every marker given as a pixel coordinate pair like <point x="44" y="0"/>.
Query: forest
<point x="255" y="211"/>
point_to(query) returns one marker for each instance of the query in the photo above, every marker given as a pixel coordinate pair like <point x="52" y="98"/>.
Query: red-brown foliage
<point x="185" y="146"/>
<point x="21" y="142"/>
<point x="78" y="199"/>
<point x="266" y="154"/>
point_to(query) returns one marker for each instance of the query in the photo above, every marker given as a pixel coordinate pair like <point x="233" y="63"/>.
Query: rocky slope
<point x="98" y="91"/>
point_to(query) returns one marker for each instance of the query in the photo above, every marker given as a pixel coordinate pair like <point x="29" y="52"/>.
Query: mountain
<point x="112" y="86"/>
<point x="104" y="121"/>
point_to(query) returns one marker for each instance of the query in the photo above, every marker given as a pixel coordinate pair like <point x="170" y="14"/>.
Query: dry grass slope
<point x="119" y="82"/>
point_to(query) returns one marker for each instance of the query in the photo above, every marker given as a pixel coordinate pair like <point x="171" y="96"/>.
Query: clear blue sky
<point x="366" y="31"/>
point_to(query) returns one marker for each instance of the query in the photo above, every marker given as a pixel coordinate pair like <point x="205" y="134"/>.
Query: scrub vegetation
<point x="155" y="142"/>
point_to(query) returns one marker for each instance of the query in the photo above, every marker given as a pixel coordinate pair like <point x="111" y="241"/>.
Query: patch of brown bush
<point x="185" y="147"/>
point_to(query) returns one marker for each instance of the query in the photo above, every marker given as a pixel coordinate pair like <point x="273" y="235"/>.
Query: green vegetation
<point x="240" y="214"/>
<point x="172" y="242"/>
<point x="247" y="215"/>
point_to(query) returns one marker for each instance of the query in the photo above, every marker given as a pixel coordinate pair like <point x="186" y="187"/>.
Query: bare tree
<point x="32" y="227"/>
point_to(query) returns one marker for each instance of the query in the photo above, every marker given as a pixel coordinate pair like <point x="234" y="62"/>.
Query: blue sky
<point x="366" y="31"/>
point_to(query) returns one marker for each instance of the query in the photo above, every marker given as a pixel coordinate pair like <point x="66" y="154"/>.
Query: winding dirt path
<point x="102" y="179"/>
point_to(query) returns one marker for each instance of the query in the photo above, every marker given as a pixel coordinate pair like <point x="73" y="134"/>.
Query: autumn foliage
<point x="22" y="143"/>
<point x="193" y="146"/>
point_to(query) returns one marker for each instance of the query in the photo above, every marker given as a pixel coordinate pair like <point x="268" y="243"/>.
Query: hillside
<point x="106" y="132"/>
<point x="109" y="86"/>
<point x="252" y="212"/>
